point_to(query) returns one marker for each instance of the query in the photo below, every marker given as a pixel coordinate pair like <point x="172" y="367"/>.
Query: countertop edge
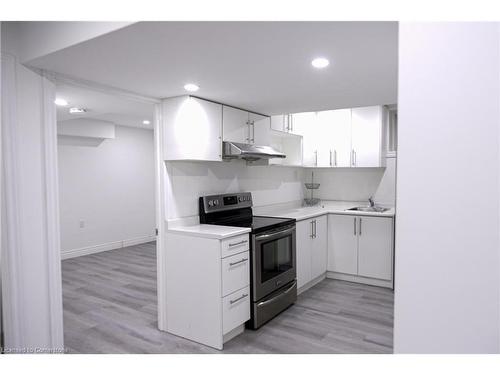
<point x="192" y="232"/>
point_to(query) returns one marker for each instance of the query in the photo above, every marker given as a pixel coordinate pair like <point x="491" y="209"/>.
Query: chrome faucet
<point x="372" y="203"/>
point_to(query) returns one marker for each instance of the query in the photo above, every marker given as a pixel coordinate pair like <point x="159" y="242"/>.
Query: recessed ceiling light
<point x="320" y="63"/>
<point x="191" y="87"/>
<point x="60" y="101"/>
<point x="146" y="122"/>
<point x="75" y="110"/>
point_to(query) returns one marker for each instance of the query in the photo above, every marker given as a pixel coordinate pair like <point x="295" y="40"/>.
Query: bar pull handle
<point x="315" y="229"/>
<point x="335" y="157"/>
<point x="312" y="230"/>
<point x="238" y="243"/>
<point x="316" y="155"/>
<point x="360" y="225"/>
<point x="248" y="131"/>
<point x="331" y="163"/>
<point x="354" y="226"/>
<point x="252" y="124"/>
<point x="238" y="262"/>
<point x="238" y="299"/>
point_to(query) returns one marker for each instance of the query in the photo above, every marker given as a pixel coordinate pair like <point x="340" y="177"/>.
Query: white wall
<point x="110" y="188"/>
<point x="356" y="184"/>
<point x="447" y="238"/>
<point x="268" y="184"/>
<point x="31" y="275"/>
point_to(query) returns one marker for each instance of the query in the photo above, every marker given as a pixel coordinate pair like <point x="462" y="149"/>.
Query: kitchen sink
<point x="368" y="209"/>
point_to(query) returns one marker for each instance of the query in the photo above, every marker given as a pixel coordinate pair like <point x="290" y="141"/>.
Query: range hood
<point x="248" y="152"/>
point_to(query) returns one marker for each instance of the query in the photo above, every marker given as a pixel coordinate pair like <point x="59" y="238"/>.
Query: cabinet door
<point x="305" y="124"/>
<point x="185" y="116"/>
<point x="375" y="247"/>
<point x="366" y="136"/>
<point x="335" y="142"/>
<point x="303" y="250"/>
<point x="235" y="125"/>
<point x="319" y="247"/>
<point x="259" y="129"/>
<point x="280" y="123"/>
<point x="343" y="244"/>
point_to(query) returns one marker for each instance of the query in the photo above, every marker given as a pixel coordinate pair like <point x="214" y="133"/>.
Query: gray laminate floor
<point x="110" y="307"/>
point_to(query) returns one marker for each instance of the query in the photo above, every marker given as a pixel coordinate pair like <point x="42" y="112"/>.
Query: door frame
<point x="12" y="273"/>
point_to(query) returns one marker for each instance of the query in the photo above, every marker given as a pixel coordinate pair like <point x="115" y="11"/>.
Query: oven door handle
<point x="277" y="296"/>
<point x="275" y="234"/>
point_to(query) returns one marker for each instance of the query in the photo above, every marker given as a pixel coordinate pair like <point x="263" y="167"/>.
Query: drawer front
<point x="235" y="272"/>
<point x="235" y="245"/>
<point x="235" y="309"/>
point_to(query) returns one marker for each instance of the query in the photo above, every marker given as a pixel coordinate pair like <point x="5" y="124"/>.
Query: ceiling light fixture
<point x="146" y="122"/>
<point x="75" y="110"/>
<point x="61" y="102"/>
<point x="320" y="63"/>
<point x="191" y="87"/>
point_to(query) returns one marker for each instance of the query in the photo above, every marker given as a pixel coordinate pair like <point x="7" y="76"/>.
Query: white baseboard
<point x="359" y="279"/>
<point x="73" y="253"/>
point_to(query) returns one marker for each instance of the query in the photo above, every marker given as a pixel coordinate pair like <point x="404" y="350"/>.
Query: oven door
<point x="274" y="260"/>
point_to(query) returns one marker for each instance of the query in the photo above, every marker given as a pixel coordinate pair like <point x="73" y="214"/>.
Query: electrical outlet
<point x="82" y="224"/>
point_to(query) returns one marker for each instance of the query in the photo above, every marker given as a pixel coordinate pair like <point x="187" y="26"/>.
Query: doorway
<point x="106" y="166"/>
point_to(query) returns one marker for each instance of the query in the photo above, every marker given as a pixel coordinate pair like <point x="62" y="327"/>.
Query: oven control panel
<point x="223" y="202"/>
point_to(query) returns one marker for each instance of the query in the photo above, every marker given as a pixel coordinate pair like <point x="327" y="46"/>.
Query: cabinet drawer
<point x="235" y="309"/>
<point x="235" y="272"/>
<point x="235" y="245"/>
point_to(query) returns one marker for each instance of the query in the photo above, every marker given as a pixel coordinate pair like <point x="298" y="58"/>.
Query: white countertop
<point x="325" y="207"/>
<point x="292" y="211"/>
<point x="208" y="231"/>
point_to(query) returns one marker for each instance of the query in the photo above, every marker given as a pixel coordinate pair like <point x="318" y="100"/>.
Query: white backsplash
<point x="355" y="184"/>
<point x="272" y="185"/>
<point x="268" y="184"/>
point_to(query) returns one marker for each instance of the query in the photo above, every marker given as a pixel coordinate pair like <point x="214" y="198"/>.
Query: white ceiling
<point x="106" y="107"/>
<point x="261" y="66"/>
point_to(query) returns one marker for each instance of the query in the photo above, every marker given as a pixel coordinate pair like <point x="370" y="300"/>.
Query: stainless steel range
<point x="273" y="252"/>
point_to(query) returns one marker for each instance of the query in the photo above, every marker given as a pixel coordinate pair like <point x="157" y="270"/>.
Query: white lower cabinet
<point x="207" y="287"/>
<point x="235" y="309"/>
<point x="361" y="246"/>
<point x="375" y="247"/>
<point x="342" y="244"/>
<point x="319" y="250"/>
<point x="235" y="272"/>
<point x="303" y="251"/>
<point x="312" y="249"/>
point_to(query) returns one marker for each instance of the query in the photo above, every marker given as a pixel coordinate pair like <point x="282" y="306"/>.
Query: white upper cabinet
<point x="236" y="125"/>
<point x="281" y="123"/>
<point x="192" y="129"/>
<point x="340" y="138"/>
<point x="367" y="139"/>
<point x="260" y="127"/>
<point x="245" y="127"/>
<point x="335" y="142"/>
<point x="306" y="125"/>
